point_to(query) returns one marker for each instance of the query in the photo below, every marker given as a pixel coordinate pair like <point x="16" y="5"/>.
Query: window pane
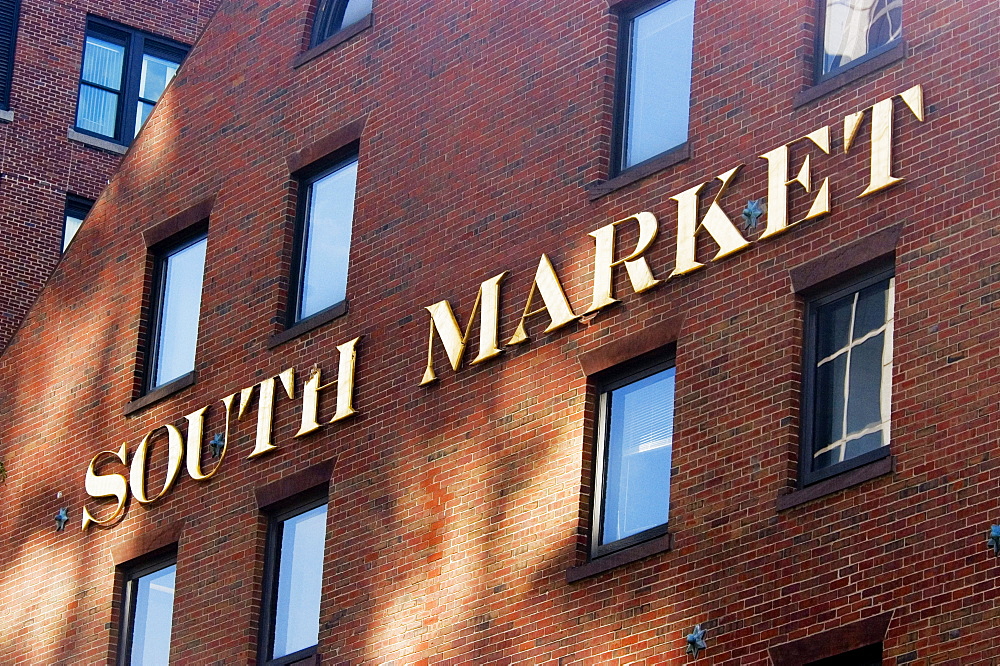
<point x="659" y="81"/>
<point x="855" y="27"/>
<point x="831" y="385"/>
<point x="833" y="326"/>
<point x="156" y="74"/>
<point x="639" y="447"/>
<point x="154" y="605"/>
<point x="356" y="10"/>
<point x="72" y="225"/>
<point x="327" y="240"/>
<point x="180" y="303"/>
<point x="141" y="113"/>
<point x="97" y="111"/>
<point x="102" y="63"/>
<point x="300" y="576"/>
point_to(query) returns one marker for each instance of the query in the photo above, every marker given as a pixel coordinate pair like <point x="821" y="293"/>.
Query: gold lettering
<point x="546" y="283"/>
<point x="345" y="390"/>
<point x="778" y="183"/>
<point x="635" y="264"/>
<point x="454" y="340"/>
<point x="265" y="408"/>
<point x="175" y="457"/>
<point x="881" y="156"/>
<point x="106" y="485"/>
<point x="196" y="425"/>
<point x="716" y="223"/>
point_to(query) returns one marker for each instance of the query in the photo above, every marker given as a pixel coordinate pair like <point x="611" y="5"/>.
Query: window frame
<point x="605" y="382"/>
<point x="819" y="49"/>
<point x="7" y="79"/>
<point x="338" y="9"/>
<point x="159" y="253"/>
<point x="136" y="43"/>
<point x="78" y="207"/>
<point x="856" y="282"/>
<point x="305" y="179"/>
<point x="132" y="572"/>
<point x="276" y="517"/>
<point x="627" y="12"/>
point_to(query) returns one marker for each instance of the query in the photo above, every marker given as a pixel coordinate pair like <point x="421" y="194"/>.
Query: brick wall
<point x="456" y="509"/>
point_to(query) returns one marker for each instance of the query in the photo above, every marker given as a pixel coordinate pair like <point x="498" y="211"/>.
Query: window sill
<point x="835" y="484"/>
<point x="94" y="142"/>
<point x="852" y="73"/>
<point x="333" y="41"/>
<point x="6" y="116"/>
<point x="640" y="171"/>
<point x="635" y="553"/>
<point x="308" y="324"/>
<point x="305" y="657"/>
<point x="157" y="394"/>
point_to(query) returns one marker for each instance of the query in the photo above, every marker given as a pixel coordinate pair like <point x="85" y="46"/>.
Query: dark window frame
<point x="132" y="572"/>
<point x="819" y="49"/>
<point x="158" y="254"/>
<point x="853" y="283"/>
<point x="276" y="515"/>
<point x="78" y="207"/>
<point x="7" y="77"/>
<point x="626" y="13"/>
<point x="136" y="43"/>
<point x="604" y="382"/>
<point x="305" y="178"/>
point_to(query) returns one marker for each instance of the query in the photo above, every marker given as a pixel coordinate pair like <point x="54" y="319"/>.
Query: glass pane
<point x="180" y="303"/>
<point x="659" y="81"/>
<point x="97" y="111"/>
<point x="102" y="63"/>
<point x="829" y="409"/>
<point x="154" y="609"/>
<point x="141" y="113"/>
<point x="864" y="404"/>
<point x="870" y="442"/>
<point x="327" y="240"/>
<point x="639" y="448"/>
<point x="156" y="74"/>
<point x="855" y="27"/>
<point x="69" y="230"/>
<point x="833" y="326"/>
<point x="300" y="577"/>
<point x="870" y="313"/>
<point x="356" y="10"/>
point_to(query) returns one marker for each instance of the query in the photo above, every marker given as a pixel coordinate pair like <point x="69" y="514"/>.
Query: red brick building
<point x="63" y="130"/>
<point x="460" y="332"/>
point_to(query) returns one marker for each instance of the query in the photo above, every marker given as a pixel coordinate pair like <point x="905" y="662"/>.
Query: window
<point x="654" y="90"/>
<point x="124" y="72"/>
<point x="9" y="10"/>
<point x="293" y="580"/>
<point x="334" y="15"/>
<point x="76" y="210"/>
<point x="635" y="424"/>
<point x="177" y="280"/>
<point x="148" y="613"/>
<point x="847" y="374"/>
<point x="326" y="215"/>
<point x="854" y="30"/>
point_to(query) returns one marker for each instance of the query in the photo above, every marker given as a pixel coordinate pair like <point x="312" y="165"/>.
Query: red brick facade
<point x="456" y="509"/>
<point x="39" y="164"/>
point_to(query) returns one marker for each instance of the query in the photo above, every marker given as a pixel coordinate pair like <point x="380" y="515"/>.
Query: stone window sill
<point x="640" y="171"/>
<point x="94" y="142"/>
<point x="157" y="394"/>
<point x="660" y="544"/>
<point x="333" y="41"/>
<point x="850" y="75"/>
<point x="308" y="324"/>
<point x="835" y="484"/>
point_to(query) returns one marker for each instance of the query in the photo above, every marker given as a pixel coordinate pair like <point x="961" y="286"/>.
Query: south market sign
<point x="187" y="451"/>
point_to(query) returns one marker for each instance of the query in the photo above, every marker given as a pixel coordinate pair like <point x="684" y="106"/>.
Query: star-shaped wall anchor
<point x="62" y="517"/>
<point x="751" y="214"/>
<point x="217" y="443"/>
<point x="696" y="641"/>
